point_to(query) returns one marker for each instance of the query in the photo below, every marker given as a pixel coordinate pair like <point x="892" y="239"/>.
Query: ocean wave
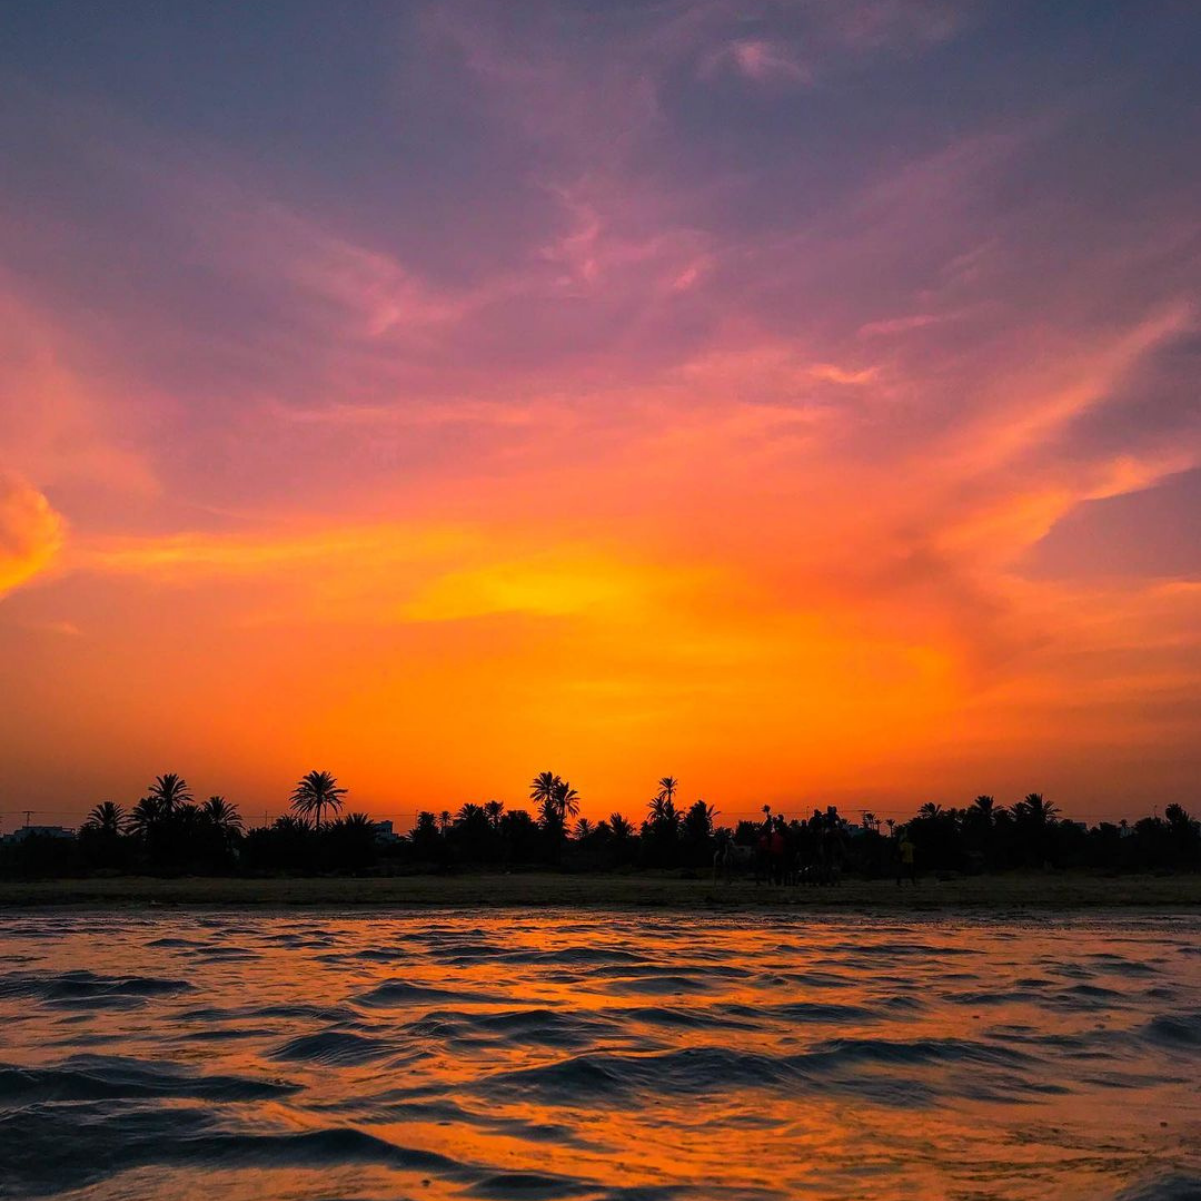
<point x="1181" y="1031"/>
<point x="1170" y="1186"/>
<point x="94" y="1078"/>
<point x="600" y="1077"/>
<point x="397" y="993"/>
<point x="49" y="1149"/>
<point x="85" y="988"/>
<point x="334" y="1048"/>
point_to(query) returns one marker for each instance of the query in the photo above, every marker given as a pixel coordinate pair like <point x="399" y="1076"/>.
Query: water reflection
<point x="598" y="1056"/>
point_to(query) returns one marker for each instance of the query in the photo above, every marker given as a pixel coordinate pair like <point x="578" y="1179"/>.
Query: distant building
<point x="384" y="832"/>
<point x="20" y="834"/>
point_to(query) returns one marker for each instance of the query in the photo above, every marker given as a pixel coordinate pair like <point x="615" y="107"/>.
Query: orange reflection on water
<point x="566" y="1055"/>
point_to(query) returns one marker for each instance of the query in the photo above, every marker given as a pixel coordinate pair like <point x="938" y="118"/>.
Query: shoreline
<point x="1065" y="892"/>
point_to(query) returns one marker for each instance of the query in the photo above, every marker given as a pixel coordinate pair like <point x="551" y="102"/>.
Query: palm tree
<point x="931" y="809"/>
<point x="698" y="822"/>
<point x="543" y="787"/>
<point x="147" y="815"/>
<point x="170" y="791"/>
<point x="984" y="808"/>
<point x="667" y="788"/>
<point x="469" y="814"/>
<point x="567" y="800"/>
<point x="317" y="791"/>
<point x="107" y="819"/>
<point x="663" y="815"/>
<point x="1036" y="810"/>
<point x="583" y="828"/>
<point x="223" y="817"/>
<point x="445" y="821"/>
<point x="622" y="827"/>
<point x="494" y="811"/>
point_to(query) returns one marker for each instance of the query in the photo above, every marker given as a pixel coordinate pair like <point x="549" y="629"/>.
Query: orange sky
<point x="786" y="411"/>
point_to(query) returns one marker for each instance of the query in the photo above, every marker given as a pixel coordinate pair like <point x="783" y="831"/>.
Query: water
<point x="600" y="1055"/>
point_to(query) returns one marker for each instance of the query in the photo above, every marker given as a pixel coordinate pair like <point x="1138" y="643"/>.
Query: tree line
<point x="167" y="832"/>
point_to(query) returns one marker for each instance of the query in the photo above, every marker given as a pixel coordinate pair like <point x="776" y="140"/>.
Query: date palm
<point x="622" y="827"/>
<point x="223" y="817"/>
<point x="148" y="814"/>
<point x="1035" y="810"/>
<point x="316" y="792"/>
<point x="667" y="788"/>
<point x="698" y="821"/>
<point x="170" y="791"/>
<point x="567" y="800"/>
<point x="494" y="811"/>
<point x="544" y="787"/>
<point x="469" y="814"/>
<point x="107" y="819"/>
<point x="984" y="808"/>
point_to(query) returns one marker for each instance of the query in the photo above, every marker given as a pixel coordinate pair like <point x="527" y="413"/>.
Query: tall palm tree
<point x="543" y="785"/>
<point x="667" y="788"/>
<point x="494" y="811"/>
<point x="445" y="821"/>
<point x="107" y="819"/>
<point x="984" y="808"/>
<point x="170" y="791"/>
<point x="316" y="792"/>
<point x="567" y="800"/>
<point x="223" y="817"/>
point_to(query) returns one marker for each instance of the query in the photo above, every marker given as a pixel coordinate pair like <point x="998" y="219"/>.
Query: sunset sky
<point x="798" y="398"/>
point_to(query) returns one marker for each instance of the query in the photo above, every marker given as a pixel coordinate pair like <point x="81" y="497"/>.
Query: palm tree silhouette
<point x="223" y="817"/>
<point x="494" y="811"/>
<point x="583" y="828"/>
<point x="622" y="827"/>
<point x="698" y="822"/>
<point x="469" y="813"/>
<point x="316" y="791"/>
<point x="170" y="791"/>
<point x="667" y="788"/>
<point x="543" y="787"/>
<point x="1041" y="812"/>
<point x="567" y="800"/>
<point x="930" y="809"/>
<point x="984" y="808"/>
<point x="147" y="815"/>
<point x="107" y="819"/>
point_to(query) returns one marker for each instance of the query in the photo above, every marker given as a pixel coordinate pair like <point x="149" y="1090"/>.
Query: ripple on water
<point x="333" y="1048"/>
<point x="96" y="1077"/>
<point x="86" y="989"/>
<point x="401" y="993"/>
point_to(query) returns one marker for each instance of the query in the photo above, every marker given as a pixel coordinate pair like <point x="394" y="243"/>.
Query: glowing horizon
<point x="801" y="401"/>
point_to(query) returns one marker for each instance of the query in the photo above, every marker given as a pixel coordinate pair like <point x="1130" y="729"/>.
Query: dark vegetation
<point x="167" y="833"/>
